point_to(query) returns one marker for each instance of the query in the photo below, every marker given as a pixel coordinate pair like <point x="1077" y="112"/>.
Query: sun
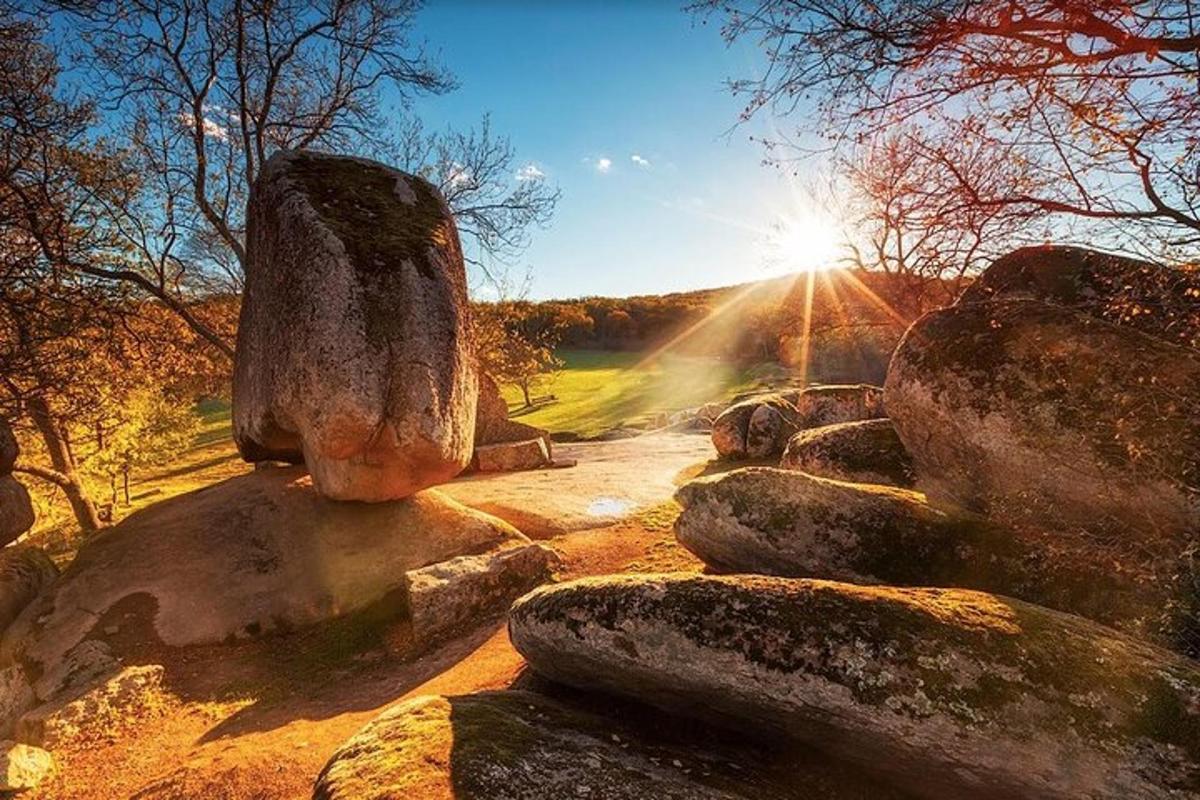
<point x="802" y="242"/>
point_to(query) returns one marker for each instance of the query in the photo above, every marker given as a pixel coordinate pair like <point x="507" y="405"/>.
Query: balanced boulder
<point x="354" y="344"/>
<point x="520" y="745"/>
<point x="948" y="693"/>
<point x="865" y="451"/>
<point x="1030" y="412"/>
<point x="1157" y="300"/>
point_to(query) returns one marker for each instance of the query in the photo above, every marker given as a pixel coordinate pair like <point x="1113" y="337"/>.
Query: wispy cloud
<point x="458" y="175"/>
<point x="641" y="162"/>
<point x="603" y="164"/>
<point x="530" y="172"/>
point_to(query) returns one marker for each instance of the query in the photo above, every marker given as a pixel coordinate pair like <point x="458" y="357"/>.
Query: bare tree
<point x="1093" y="104"/>
<point x="201" y="94"/>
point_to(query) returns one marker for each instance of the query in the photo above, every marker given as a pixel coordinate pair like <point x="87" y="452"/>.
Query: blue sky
<point x="572" y="83"/>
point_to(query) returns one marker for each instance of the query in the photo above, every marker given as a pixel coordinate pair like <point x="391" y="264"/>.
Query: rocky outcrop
<point x="24" y="572"/>
<point x="760" y="426"/>
<point x="511" y="456"/>
<point x="948" y="693"/>
<point x="354" y="343"/>
<point x="265" y="552"/>
<point x="16" y="509"/>
<point x="23" y="767"/>
<point x="775" y="522"/>
<point x="519" y="745"/>
<point x="96" y="710"/>
<point x="492" y="425"/>
<point x="1033" y="413"/>
<point x="1161" y="301"/>
<point x="754" y="428"/>
<point x="8" y="448"/>
<point x="866" y="451"/>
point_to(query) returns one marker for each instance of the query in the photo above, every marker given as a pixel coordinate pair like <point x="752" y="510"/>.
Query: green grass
<point x="599" y="390"/>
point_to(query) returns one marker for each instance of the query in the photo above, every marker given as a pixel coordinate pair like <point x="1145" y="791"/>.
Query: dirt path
<point x="241" y="722"/>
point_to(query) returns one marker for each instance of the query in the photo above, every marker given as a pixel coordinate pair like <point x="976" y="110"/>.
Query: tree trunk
<point x="126" y="475"/>
<point x="525" y="392"/>
<point x="64" y="464"/>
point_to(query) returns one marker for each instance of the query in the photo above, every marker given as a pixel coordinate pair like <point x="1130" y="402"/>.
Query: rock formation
<point x="866" y="451"/>
<point x="354" y="345"/>
<point x="948" y="693"/>
<point x="521" y="745"/>
<point x="16" y="508"/>
<point x="265" y="552"/>
<point x="1036" y="414"/>
<point x="24" y="572"/>
<point x="760" y="426"/>
<point x="1160" y="301"/>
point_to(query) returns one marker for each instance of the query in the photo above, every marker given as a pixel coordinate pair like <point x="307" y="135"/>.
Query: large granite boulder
<point x="760" y="426"/>
<point x="520" y="745"/>
<point x="265" y="552"/>
<point x="948" y="693"/>
<point x="1030" y="412"/>
<point x="865" y="451"/>
<point x="16" y="509"/>
<point x="1151" y="298"/>
<point x="791" y="524"/>
<point x="24" y="572"/>
<point x="354" y="344"/>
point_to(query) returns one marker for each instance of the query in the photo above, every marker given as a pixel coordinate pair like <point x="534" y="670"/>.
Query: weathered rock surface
<point x="826" y="405"/>
<point x="24" y="572"/>
<point x="791" y="524"/>
<point x="8" y="448"/>
<point x="492" y="425"/>
<point x="97" y="709"/>
<point x="949" y="693"/>
<point x="23" y="767"/>
<point x="1153" y="299"/>
<point x="16" y="509"/>
<point x="866" y="451"/>
<point x="1034" y="413"/>
<point x="755" y="428"/>
<point x="519" y="745"/>
<point x="760" y="426"/>
<point x="511" y="456"/>
<point x="354" y="343"/>
<point x="262" y="552"/>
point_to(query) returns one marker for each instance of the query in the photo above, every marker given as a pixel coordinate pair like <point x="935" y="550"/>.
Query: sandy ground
<point x="245" y="722"/>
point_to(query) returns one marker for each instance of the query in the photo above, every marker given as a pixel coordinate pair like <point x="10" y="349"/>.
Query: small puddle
<point x="609" y="507"/>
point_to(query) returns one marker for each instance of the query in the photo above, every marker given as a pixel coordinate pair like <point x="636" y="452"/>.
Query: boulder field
<point x="354" y="346"/>
<point x="946" y="693"/>
<point x="760" y="426"/>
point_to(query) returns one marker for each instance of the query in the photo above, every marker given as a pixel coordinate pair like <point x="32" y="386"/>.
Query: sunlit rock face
<point x="1037" y="414"/>
<point x="948" y="693"/>
<point x="760" y="426"/>
<point x="354" y="344"/>
<point x="264" y="553"/>
<point x="864" y="451"/>
<point x="1160" y="301"/>
<point x="791" y="524"/>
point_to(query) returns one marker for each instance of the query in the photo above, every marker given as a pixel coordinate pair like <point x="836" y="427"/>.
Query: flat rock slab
<point x="949" y="693"/>
<point x="519" y="745"/>
<point x="610" y="482"/>
<point x="511" y="456"/>
<point x="256" y="553"/>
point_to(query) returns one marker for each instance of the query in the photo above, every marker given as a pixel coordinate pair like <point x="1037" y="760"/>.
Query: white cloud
<point x="530" y="172"/>
<point x="603" y="164"/>
<point x="212" y="128"/>
<point x="641" y="162"/>
<point x="458" y="175"/>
